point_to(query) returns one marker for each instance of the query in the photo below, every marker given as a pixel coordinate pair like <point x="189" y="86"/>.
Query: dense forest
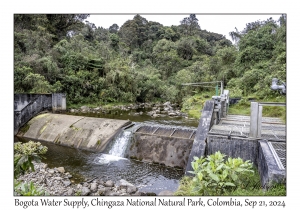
<point x="141" y="60"/>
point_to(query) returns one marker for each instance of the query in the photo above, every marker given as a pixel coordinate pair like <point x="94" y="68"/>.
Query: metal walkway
<point x="167" y="131"/>
<point x="273" y="130"/>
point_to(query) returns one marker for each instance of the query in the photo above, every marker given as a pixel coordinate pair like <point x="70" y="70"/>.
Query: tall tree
<point x="190" y="25"/>
<point x="134" y="32"/>
<point x="113" y="28"/>
<point x="61" y="24"/>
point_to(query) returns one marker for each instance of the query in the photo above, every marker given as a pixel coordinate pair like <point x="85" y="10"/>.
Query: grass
<point x="243" y="108"/>
<point x="193" y="105"/>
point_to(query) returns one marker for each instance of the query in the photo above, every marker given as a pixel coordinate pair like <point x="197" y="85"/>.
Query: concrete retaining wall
<point x="199" y="143"/>
<point x="59" y="102"/>
<point x="28" y="105"/>
<point x="170" y="151"/>
<point x="268" y="168"/>
<point x="234" y="147"/>
<point x="74" y="131"/>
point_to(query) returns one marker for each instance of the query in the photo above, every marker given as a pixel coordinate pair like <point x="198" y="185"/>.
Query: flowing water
<point x="113" y="163"/>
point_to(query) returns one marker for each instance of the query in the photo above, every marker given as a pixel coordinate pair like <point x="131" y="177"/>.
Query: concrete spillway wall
<point x="235" y="147"/>
<point x="199" y="144"/>
<point x="170" y="151"/>
<point x="270" y="166"/>
<point x="74" y="131"/>
<point x="27" y="106"/>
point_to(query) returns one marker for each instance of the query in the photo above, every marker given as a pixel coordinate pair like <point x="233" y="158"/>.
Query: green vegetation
<point x="194" y="104"/>
<point x="28" y="189"/>
<point x="25" y="128"/>
<point x="233" y="177"/>
<point x="24" y="155"/>
<point x="243" y="108"/>
<point x="143" y="61"/>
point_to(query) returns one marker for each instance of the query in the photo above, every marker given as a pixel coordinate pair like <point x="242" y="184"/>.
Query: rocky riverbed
<point x="158" y="109"/>
<point x="57" y="182"/>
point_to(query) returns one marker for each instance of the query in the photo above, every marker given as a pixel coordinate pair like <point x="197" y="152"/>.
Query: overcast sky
<point x="222" y="24"/>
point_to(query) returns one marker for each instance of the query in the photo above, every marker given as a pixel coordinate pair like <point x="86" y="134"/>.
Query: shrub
<point x="28" y="189"/>
<point x="25" y="153"/>
<point x="214" y="176"/>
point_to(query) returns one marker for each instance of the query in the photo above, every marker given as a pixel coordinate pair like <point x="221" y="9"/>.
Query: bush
<point x="25" y="153"/>
<point x="214" y="176"/>
<point x="28" y="189"/>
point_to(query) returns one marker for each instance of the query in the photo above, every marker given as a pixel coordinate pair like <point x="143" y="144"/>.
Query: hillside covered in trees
<point x="143" y="61"/>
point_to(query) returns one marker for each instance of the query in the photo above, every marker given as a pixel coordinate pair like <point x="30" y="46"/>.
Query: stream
<point x="112" y="164"/>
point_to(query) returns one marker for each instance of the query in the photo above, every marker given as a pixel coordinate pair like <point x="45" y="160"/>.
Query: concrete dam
<point x="86" y="133"/>
<point x="256" y="138"/>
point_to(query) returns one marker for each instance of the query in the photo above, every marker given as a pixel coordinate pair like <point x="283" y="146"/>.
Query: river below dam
<point x="112" y="164"/>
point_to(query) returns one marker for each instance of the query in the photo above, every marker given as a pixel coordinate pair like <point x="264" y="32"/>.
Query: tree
<point x="88" y="31"/>
<point x="114" y="39"/>
<point x="134" y="32"/>
<point x="166" y="57"/>
<point x="113" y="28"/>
<point x="60" y="24"/>
<point x="190" y="25"/>
<point x="185" y="48"/>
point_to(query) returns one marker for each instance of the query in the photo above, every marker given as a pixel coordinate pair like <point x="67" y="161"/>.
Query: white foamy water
<point x="118" y="149"/>
<point x="120" y="145"/>
<point x="105" y="159"/>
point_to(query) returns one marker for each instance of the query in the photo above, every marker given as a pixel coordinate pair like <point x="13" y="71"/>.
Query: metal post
<point x="221" y="87"/>
<point x="217" y="91"/>
<point x="253" y="120"/>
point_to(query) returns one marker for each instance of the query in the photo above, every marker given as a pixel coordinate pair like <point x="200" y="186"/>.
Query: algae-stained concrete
<point x="75" y="131"/>
<point x="171" y="151"/>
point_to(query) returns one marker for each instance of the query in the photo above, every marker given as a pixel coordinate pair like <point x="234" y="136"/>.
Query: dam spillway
<point x="80" y="132"/>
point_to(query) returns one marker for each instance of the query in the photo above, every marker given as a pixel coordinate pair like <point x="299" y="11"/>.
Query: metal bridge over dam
<point x="259" y="139"/>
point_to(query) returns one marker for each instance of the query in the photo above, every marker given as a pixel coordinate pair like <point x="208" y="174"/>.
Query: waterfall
<point x="119" y="146"/>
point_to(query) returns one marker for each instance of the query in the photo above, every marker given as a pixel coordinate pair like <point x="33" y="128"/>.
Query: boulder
<point x="94" y="187"/>
<point x="51" y="171"/>
<point x="61" y="169"/>
<point x="66" y="183"/>
<point x="109" y="183"/>
<point x="85" y="191"/>
<point x="168" y="103"/>
<point x="70" y="191"/>
<point x="172" y="114"/>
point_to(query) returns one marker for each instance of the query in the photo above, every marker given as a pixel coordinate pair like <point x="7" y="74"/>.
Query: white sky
<point x="217" y="23"/>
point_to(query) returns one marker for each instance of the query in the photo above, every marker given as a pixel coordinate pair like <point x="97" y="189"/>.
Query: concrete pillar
<point x="259" y="120"/>
<point x="58" y="102"/>
<point x="254" y="119"/>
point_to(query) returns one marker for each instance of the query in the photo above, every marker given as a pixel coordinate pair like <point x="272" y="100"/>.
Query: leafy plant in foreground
<point x="25" y="153"/>
<point x="28" y="189"/>
<point x="214" y="176"/>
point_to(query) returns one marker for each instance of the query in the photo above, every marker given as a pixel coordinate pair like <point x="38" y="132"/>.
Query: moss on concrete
<point x="43" y="128"/>
<point x="25" y="128"/>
